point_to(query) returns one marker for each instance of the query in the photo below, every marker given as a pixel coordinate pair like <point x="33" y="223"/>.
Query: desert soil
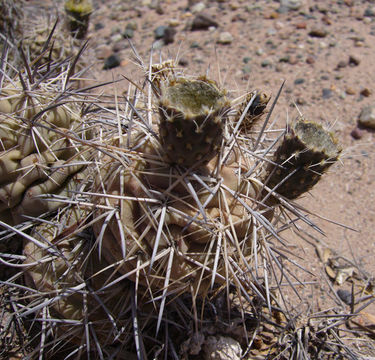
<point x="325" y="53"/>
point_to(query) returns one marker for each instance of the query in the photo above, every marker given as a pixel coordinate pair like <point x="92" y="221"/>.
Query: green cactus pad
<point x="192" y="113"/>
<point x="306" y="152"/>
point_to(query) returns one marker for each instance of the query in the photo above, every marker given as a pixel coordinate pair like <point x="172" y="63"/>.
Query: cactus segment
<point x="78" y="12"/>
<point x="162" y="72"/>
<point x="192" y="113"/>
<point x="306" y="152"/>
<point x="255" y="111"/>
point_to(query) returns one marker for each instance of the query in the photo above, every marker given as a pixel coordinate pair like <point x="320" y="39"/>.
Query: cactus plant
<point x="174" y="209"/>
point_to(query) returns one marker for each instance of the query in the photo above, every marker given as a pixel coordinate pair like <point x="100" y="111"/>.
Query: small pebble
<point x="318" y="32"/>
<point x="299" y="81"/>
<point x="103" y="51"/>
<point x="159" y="32"/>
<point x="98" y="26"/>
<point x="225" y="38"/>
<point x="116" y="38"/>
<point x="132" y="25"/>
<point x="357" y="133"/>
<point x="365" y="92"/>
<point x="158" y="44"/>
<point x="350" y="91"/>
<point x="197" y="8"/>
<point x="310" y="60"/>
<point x="287" y="5"/>
<point x="367" y="117"/>
<point x="301" y="25"/>
<point x="345" y="296"/>
<point x="174" y="22"/>
<point x="266" y="63"/>
<point x="327" y="93"/>
<point x="203" y="22"/>
<point x="370" y="11"/>
<point x="128" y="33"/>
<point x="341" y="64"/>
<point x="354" y="60"/>
<point x="111" y="62"/>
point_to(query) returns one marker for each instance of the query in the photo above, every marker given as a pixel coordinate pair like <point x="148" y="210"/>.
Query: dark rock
<point x="203" y="22"/>
<point x="327" y="93"/>
<point x="341" y="64"/>
<point x="356" y="133"/>
<point x="128" y="33"/>
<point x="266" y="63"/>
<point x="318" y="32"/>
<point x="310" y="60"/>
<point x="365" y="92"/>
<point x="132" y="25"/>
<point x="354" y="60"/>
<point x="345" y="296"/>
<point x="159" y="9"/>
<point x="165" y="33"/>
<point x="111" y="62"/>
<point x="159" y="32"/>
<point x="284" y="59"/>
<point x="183" y="62"/>
<point x="195" y="45"/>
<point x="169" y="35"/>
<point x="98" y="26"/>
<point x="370" y="11"/>
<point x="299" y="81"/>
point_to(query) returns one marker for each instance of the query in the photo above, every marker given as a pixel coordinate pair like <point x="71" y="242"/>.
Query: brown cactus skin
<point x="304" y="155"/>
<point x="192" y="113"/>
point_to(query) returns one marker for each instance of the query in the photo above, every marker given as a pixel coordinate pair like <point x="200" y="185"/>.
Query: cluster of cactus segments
<point x="41" y="138"/>
<point x="165" y="202"/>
